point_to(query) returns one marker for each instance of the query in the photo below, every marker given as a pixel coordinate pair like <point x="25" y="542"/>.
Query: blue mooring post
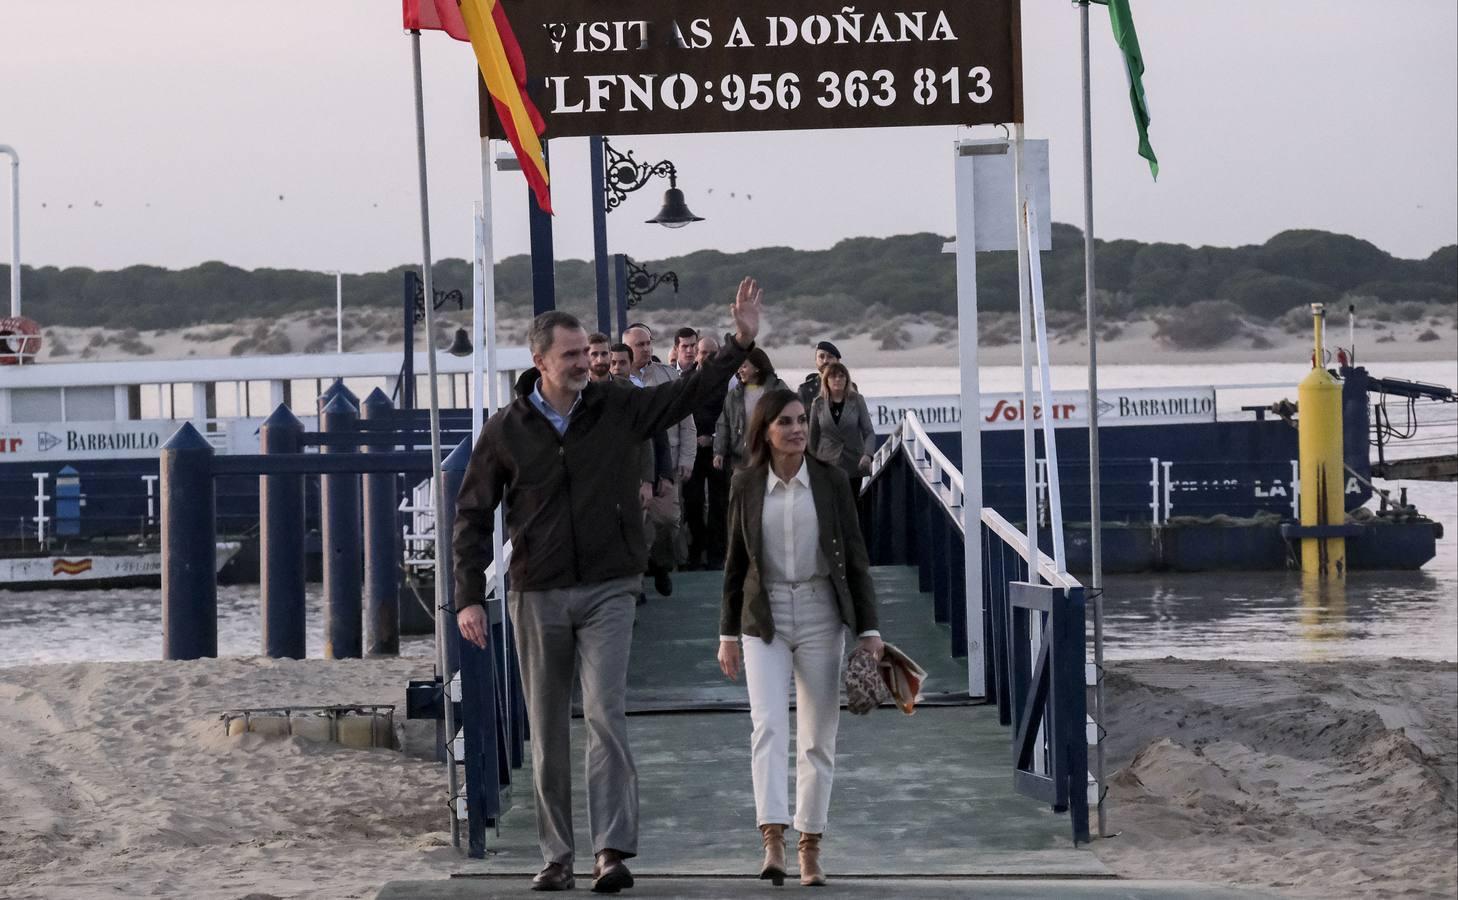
<point x="189" y="547"/>
<point x="381" y="544"/>
<point x="281" y="540"/>
<point x="340" y="531"/>
<point x="336" y="389"/>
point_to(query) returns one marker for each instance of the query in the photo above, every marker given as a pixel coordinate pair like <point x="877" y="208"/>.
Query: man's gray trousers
<point x="589" y="627"/>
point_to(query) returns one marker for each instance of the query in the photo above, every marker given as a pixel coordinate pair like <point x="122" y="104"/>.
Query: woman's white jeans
<point x="809" y="643"/>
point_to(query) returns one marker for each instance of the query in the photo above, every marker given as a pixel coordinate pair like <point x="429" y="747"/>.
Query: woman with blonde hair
<point x="796" y="576"/>
<point x="841" y="432"/>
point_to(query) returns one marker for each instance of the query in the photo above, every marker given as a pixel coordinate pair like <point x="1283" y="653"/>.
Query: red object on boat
<point x="20" y="341"/>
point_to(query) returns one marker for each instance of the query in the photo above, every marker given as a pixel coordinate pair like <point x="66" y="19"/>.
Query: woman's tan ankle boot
<point x="811" y="875"/>
<point x="774" y="854"/>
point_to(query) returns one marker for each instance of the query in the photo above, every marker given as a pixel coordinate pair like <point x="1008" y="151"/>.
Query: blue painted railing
<point x="1024" y="632"/>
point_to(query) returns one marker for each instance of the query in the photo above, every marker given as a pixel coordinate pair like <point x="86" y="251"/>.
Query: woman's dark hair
<point x="835" y="368"/>
<point x="769" y="407"/>
<point x="761" y="361"/>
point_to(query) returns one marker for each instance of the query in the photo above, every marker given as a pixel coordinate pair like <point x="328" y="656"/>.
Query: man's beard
<point x="600" y="372"/>
<point x="576" y="382"/>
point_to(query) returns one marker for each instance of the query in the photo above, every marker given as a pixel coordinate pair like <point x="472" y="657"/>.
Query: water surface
<point x="1266" y="615"/>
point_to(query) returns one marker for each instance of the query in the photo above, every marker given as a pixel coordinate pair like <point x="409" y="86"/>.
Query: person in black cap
<point x="825" y="354"/>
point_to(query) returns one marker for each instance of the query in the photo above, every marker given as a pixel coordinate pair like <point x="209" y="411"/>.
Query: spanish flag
<point x="503" y="68"/>
<point x="70" y="566"/>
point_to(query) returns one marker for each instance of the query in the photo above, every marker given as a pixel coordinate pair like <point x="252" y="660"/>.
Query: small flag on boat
<point x="1122" y="20"/>
<point x="503" y="68"/>
<point x="70" y="566"/>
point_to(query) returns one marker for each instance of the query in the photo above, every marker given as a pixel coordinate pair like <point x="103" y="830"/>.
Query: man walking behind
<point x="706" y="492"/>
<point x="663" y="509"/>
<point x="561" y="457"/>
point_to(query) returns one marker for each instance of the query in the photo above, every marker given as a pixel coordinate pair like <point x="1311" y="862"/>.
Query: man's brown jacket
<point x="572" y="508"/>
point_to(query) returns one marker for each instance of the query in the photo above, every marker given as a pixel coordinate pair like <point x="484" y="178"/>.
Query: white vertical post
<point x="40" y="505"/>
<point x="971" y="423"/>
<point x="151" y="481"/>
<point x="1095" y="508"/>
<point x="338" y="312"/>
<point x="1042" y="492"/>
<point x="1154" y="501"/>
<point x="1168" y="491"/>
<point x="1040" y="334"/>
<point x="483" y="340"/>
<point x="14" y="227"/>
<point x="1296" y="489"/>
<point x="1030" y="500"/>
<point x="437" y="503"/>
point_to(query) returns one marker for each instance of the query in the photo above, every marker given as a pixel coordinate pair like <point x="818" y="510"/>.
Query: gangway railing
<point x="1024" y="627"/>
<point x="488" y="743"/>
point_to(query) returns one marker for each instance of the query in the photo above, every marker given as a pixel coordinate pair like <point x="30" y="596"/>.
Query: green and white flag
<point x="1124" y="35"/>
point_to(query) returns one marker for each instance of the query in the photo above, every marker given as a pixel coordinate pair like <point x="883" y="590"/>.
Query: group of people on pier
<point x="598" y="459"/>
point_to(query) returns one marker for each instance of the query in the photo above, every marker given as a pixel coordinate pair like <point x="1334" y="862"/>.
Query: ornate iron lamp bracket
<point x="441" y="299"/>
<point x="641" y="282"/>
<point x="624" y="175"/>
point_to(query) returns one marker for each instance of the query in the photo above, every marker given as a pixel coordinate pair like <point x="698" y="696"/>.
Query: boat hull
<point x="81" y="571"/>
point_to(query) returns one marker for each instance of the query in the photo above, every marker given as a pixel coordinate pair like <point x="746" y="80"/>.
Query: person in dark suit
<point x="795" y="578"/>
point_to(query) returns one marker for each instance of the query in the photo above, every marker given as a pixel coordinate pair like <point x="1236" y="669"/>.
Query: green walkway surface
<point x="923" y="805"/>
<point x="673" y="662"/>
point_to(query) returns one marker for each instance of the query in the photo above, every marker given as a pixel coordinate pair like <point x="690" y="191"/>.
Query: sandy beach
<point x="1308" y="779"/>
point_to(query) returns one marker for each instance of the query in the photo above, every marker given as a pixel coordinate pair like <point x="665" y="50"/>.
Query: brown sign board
<point x="684" y="66"/>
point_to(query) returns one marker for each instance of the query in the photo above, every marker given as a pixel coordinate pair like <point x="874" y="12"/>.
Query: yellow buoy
<point x="1323" y="474"/>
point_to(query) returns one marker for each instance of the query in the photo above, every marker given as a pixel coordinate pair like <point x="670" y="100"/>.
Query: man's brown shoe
<point x="555" y="877"/>
<point x="611" y="874"/>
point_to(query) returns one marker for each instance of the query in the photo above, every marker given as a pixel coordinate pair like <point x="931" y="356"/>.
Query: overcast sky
<point x="281" y="133"/>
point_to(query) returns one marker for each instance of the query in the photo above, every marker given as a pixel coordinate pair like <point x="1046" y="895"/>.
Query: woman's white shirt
<point x="791" y="532"/>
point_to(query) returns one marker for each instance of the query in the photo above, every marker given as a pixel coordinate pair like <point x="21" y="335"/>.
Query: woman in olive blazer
<point x="796" y="576"/>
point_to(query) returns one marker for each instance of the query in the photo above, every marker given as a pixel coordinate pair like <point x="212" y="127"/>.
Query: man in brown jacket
<point x="564" y="459"/>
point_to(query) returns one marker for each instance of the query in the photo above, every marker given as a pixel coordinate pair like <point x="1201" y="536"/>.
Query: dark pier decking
<point x="924" y="805"/>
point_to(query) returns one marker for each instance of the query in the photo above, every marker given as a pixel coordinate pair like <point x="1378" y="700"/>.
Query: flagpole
<point x="1095" y="517"/>
<point x="1025" y="318"/>
<point x="485" y="338"/>
<point x="437" y="482"/>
